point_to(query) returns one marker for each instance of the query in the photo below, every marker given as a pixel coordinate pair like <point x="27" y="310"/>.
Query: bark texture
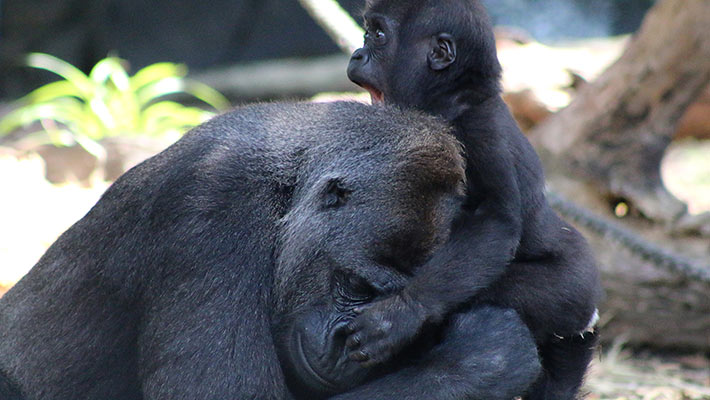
<point x="616" y="130"/>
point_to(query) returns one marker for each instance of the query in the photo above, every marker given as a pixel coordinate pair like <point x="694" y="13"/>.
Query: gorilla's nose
<point x="358" y="55"/>
<point x="356" y="65"/>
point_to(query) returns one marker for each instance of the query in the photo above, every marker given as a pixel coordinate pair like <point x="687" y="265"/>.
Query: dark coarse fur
<point x="166" y="288"/>
<point x="507" y="247"/>
<point x="484" y="353"/>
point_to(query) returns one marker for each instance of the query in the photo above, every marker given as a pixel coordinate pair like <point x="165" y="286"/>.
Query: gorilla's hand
<point x="383" y="328"/>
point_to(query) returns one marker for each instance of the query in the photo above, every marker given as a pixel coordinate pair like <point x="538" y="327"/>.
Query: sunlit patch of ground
<point x="620" y="375"/>
<point x="33" y="213"/>
<point x="686" y="173"/>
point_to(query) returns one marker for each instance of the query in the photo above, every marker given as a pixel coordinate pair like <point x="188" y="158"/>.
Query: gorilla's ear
<point x="443" y="51"/>
<point x="335" y="194"/>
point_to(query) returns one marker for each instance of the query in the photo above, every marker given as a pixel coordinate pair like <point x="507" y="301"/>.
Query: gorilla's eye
<point x="359" y="288"/>
<point x="335" y="194"/>
<point x="378" y="36"/>
<point x="352" y="288"/>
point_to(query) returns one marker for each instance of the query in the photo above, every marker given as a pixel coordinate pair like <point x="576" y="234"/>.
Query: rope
<point x="638" y="246"/>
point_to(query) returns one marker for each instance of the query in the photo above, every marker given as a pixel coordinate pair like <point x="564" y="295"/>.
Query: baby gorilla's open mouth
<point x="376" y="96"/>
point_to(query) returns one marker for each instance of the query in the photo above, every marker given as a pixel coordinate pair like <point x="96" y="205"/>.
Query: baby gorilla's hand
<point x="383" y="328"/>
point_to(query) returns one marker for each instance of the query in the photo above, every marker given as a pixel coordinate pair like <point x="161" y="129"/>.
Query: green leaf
<point x="110" y="69"/>
<point x="163" y="87"/>
<point x="94" y="148"/>
<point x="64" y="137"/>
<point x="109" y="102"/>
<point x="66" y="112"/>
<point x="167" y="86"/>
<point x="100" y="109"/>
<point x="52" y="91"/>
<point x="208" y="95"/>
<point x="156" y="72"/>
<point x="62" y="68"/>
<point x="170" y="115"/>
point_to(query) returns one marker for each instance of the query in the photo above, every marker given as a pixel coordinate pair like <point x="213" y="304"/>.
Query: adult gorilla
<point x="169" y="286"/>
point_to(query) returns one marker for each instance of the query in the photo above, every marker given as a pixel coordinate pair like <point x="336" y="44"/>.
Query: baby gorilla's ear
<point x="443" y="51"/>
<point x="335" y="193"/>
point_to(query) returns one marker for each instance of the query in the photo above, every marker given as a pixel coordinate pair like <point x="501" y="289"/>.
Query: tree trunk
<point x="652" y="307"/>
<point x="607" y="147"/>
<point x="616" y="130"/>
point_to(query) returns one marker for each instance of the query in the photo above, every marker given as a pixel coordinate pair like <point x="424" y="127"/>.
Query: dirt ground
<point x="33" y="213"/>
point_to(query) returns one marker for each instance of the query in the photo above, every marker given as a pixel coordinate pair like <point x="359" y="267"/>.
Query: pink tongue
<point x="376" y="97"/>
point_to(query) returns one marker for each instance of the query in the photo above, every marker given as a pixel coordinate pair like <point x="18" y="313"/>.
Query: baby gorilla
<point x="508" y="247"/>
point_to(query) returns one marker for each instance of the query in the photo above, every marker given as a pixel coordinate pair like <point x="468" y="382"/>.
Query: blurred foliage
<point x="84" y="109"/>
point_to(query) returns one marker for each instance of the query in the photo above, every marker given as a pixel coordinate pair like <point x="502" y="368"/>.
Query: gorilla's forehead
<point x="401" y="8"/>
<point x="392" y="7"/>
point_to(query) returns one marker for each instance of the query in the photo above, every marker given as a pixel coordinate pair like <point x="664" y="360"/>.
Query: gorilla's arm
<point x="205" y="328"/>
<point x="204" y="334"/>
<point x="486" y="235"/>
<point x="483" y="240"/>
<point x="486" y="354"/>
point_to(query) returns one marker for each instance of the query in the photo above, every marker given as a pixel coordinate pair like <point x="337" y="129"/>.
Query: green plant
<point x="84" y="109"/>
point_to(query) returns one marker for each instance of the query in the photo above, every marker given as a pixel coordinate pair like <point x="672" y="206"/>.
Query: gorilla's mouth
<point x="376" y="95"/>
<point x="307" y="365"/>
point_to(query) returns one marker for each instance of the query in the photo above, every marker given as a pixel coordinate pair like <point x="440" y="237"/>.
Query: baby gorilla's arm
<point x="486" y="354"/>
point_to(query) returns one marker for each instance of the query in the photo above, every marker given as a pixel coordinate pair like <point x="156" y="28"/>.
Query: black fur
<point x="484" y="353"/>
<point x="171" y="285"/>
<point x="8" y="390"/>
<point x="507" y="247"/>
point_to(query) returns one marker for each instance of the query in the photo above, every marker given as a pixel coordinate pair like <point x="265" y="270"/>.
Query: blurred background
<point x="206" y="35"/>
<point x="614" y="95"/>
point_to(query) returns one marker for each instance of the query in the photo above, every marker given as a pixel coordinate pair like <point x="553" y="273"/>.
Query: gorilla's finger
<point x="359" y="355"/>
<point x="353" y="341"/>
<point x="353" y="326"/>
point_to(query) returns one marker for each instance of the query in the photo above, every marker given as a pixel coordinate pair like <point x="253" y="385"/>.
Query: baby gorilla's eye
<point x="379" y="36"/>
